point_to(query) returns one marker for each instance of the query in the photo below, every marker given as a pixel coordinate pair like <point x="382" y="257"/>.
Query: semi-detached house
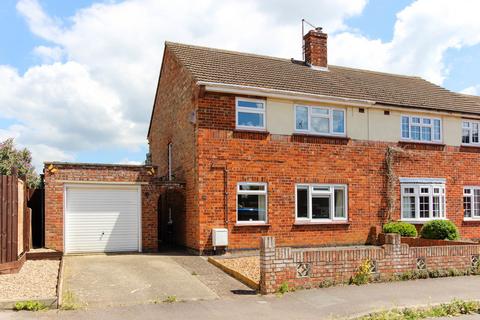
<point x="311" y="153"/>
<point x="299" y="149"/>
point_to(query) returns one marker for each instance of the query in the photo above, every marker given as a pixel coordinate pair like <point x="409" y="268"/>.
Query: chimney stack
<point x="315" y="48"/>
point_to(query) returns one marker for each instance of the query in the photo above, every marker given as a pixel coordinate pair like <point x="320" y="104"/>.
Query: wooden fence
<point x="14" y="224"/>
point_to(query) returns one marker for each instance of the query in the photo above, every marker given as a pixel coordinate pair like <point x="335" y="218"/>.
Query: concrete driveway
<point x="112" y="280"/>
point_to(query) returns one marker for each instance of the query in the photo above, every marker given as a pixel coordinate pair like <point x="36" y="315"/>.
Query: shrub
<point x="402" y="228"/>
<point x="440" y="230"/>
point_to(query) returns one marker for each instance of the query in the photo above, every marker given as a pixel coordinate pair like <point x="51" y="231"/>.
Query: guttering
<point x="280" y="94"/>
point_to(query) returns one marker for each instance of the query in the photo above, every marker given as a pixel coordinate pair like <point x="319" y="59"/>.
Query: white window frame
<point x="470" y="134"/>
<point x="329" y="117"/>
<point x="330" y="193"/>
<point x="471" y="195"/>
<point x="253" y="192"/>
<point x="239" y="109"/>
<point x="421" y="125"/>
<point x="417" y="194"/>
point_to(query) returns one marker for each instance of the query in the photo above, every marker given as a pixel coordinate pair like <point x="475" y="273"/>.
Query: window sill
<point x="320" y="139"/>
<point x="313" y="223"/>
<point x="418" y="145"/>
<point x="259" y="224"/>
<point x="469" y="148"/>
<point x="471" y="220"/>
<point x="251" y="130"/>
<point x="250" y="134"/>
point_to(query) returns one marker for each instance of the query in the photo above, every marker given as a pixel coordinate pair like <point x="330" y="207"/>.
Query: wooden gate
<point x="14" y="224"/>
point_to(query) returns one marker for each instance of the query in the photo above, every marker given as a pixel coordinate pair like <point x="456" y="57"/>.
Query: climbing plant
<point x="391" y="154"/>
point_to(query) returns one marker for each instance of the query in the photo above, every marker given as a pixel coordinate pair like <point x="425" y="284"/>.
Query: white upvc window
<point x="251" y="202"/>
<point x="470" y="132"/>
<point x="320" y="202"/>
<point x="471" y="203"/>
<point x="319" y="120"/>
<point x="415" y="128"/>
<point x="250" y="114"/>
<point x="423" y="202"/>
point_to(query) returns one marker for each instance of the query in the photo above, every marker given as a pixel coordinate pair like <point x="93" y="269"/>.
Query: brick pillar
<point x="393" y="248"/>
<point x="267" y="266"/>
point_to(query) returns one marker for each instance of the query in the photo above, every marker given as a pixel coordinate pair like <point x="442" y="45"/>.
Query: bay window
<point x="320" y="120"/>
<point x="252" y="202"/>
<point x="421" y="202"/>
<point x="421" y="129"/>
<point x="321" y="202"/>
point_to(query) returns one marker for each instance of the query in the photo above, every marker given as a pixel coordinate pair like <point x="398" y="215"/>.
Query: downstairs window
<point x="471" y="203"/>
<point x="251" y="202"/>
<point x="321" y="202"/>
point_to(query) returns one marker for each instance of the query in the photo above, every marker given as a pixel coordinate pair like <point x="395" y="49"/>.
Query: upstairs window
<point x="422" y="202"/>
<point x="421" y="129"/>
<point x="321" y="203"/>
<point x="470" y="134"/>
<point x="320" y="120"/>
<point x="471" y="203"/>
<point x="250" y="114"/>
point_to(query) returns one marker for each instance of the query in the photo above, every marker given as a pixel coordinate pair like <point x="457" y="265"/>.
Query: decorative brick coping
<point x="313" y="267"/>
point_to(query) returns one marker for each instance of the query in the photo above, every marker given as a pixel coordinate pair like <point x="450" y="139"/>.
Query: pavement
<point x="328" y="303"/>
<point x="126" y="279"/>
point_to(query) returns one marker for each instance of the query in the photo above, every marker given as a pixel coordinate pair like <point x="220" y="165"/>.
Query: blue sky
<point x="79" y="77"/>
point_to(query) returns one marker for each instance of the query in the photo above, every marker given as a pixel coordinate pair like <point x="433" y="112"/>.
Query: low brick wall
<point x="313" y="267"/>
<point x="419" y="242"/>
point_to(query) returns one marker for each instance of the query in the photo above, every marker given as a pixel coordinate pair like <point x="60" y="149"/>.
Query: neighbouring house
<point x="310" y="153"/>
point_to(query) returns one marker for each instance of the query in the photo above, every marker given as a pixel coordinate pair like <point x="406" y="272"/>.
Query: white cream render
<point x="373" y="124"/>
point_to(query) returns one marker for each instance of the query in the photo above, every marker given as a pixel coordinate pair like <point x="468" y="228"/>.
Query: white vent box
<point x="219" y="237"/>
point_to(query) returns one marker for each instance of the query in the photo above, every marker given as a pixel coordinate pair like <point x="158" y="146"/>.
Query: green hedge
<point x="402" y="228"/>
<point x="440" y="230"/>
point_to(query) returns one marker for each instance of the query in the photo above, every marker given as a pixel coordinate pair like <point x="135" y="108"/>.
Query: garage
<point x="102" y="218"/>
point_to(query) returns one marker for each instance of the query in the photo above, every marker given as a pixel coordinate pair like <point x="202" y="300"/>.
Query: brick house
<point x="307" y="152"/>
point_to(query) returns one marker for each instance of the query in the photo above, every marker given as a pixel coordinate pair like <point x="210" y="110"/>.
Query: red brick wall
<point x="338" y="265"/>
<point x="173" y="121"/>
<point x="283" y="161"/>
<point x="65" y="173"/>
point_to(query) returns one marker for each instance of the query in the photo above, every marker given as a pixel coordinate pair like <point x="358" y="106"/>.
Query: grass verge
<point x="30" y="305"/>
<point x="451" y="309"/>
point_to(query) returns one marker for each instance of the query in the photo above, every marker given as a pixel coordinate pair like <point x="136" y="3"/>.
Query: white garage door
<point x="102" y="218"/>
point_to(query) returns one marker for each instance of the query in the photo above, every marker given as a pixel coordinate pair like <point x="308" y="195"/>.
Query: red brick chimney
<point x="315" y="48"/>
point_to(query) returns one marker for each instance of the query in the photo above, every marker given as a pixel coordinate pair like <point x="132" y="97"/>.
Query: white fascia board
<point x="281" y="94"/>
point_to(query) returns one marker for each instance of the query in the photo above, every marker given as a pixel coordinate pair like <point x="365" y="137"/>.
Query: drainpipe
<point x="225" y="189"/>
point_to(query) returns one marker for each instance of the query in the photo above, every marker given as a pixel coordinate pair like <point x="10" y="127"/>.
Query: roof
<point x="251" y="70"/>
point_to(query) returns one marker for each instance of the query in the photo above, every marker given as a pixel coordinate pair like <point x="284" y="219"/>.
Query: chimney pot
<point x="315" y="48"/>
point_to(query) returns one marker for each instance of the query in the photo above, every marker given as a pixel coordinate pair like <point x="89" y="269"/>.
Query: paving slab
<point x="126" y="279"/>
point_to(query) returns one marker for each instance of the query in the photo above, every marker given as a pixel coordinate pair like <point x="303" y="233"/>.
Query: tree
<point x="12" y="159"/>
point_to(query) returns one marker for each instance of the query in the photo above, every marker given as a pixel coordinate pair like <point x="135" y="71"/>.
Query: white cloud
<point x="95" y="87"/>
<point x="48" y="54"/>
<point x="472" y="90"/>
<point x="127" y="161"/>
<point x="423" y="32"/>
